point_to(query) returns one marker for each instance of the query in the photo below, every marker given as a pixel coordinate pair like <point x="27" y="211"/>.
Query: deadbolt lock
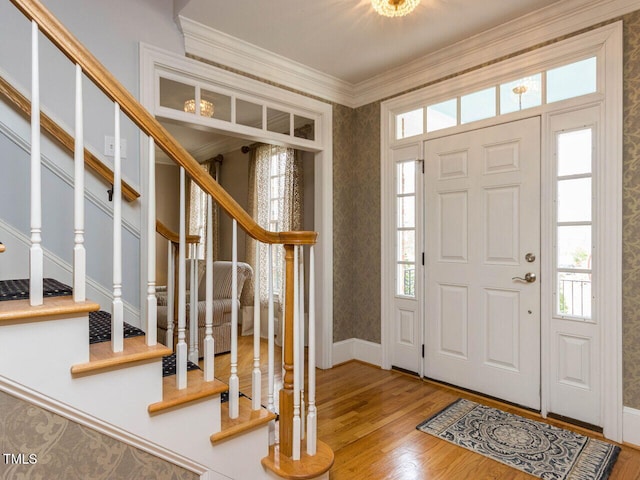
<point x="530" y="257"/>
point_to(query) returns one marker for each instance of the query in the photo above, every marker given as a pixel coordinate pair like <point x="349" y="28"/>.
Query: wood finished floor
<point x="368" y="417"/>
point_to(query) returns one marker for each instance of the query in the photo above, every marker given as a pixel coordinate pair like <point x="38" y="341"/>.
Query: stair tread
<point x="135" y="350"/>
<point x="197" y="389"/>
<point x="20" y="309"/>
<point x="307" y="467"/>
<point x="247" y="420"/>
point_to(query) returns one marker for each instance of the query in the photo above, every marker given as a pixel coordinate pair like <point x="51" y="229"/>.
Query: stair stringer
<point x="38" y="353"/>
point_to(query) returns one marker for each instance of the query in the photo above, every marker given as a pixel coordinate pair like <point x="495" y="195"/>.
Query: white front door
<point x="482" y="201"/>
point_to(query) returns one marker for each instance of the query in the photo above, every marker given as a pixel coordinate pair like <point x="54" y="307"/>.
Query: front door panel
<point x="482" y="200"/>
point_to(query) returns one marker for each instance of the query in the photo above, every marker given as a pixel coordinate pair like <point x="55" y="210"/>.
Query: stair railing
<point x="291" y="405"/>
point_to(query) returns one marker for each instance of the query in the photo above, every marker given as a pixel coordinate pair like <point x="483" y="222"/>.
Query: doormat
<point x="542" y="450"/>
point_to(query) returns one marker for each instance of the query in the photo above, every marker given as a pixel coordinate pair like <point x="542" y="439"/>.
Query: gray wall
<point x="114" y="39"/>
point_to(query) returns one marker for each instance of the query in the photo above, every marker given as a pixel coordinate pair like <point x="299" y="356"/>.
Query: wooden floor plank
<point x="368" y="416"/>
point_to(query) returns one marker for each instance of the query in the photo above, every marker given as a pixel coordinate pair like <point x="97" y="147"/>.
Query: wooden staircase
<point x="43" y="341"/>
<point x="115" y="386"/>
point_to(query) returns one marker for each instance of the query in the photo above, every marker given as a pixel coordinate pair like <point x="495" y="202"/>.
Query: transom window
<point x="552" y="85"/>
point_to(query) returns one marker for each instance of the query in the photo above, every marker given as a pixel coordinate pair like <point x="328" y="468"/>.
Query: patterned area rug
<point x="542" y="450"/>
<point x="19" y="289"/>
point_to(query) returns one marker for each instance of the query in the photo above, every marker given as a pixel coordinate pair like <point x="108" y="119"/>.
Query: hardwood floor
<point x="368" y="417"/>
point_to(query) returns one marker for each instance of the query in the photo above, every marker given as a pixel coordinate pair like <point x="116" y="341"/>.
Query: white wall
<point x="111" y="31"/>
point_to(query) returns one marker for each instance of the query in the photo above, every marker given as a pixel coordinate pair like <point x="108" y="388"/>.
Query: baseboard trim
<point x="35" y="398"/>
<point x="631" y="426"/>
<point x="357" y="349"/>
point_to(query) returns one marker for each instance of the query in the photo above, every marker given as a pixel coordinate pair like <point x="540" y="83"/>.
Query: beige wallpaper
<point x="631" y="212"/>
<point x="60" y="449"/>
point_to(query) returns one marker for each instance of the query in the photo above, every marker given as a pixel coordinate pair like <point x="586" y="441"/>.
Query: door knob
<point x="529" y="277"/>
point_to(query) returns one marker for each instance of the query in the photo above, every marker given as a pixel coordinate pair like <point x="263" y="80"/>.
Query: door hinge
<point x="423" y="350"/>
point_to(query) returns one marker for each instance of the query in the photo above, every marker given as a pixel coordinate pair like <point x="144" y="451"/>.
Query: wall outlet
<point x="110" y="145"/>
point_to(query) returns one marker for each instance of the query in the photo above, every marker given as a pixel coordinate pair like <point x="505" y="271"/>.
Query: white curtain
<point x="270" y="168"/>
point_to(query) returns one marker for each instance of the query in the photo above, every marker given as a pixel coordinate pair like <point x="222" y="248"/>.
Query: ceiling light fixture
<point x="394" y="8"/>
<point x="206" y="108"/>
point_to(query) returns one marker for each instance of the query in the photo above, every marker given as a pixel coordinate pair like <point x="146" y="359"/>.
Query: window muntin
<point x="406" y="177"/>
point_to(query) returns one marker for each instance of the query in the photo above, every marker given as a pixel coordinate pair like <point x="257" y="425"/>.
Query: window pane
<point x="304" y="127"/>
<point x="249" y="114"/>
<point x="571" y="80"/>
<point x="442" y="115"/>
<point x="174" y="94"/>
<point x="220" y="104"/>
<point x="574" y="152"/>
<point x="406" y="246"/>
<point x="520" y="94"/>
<point x="574" y="247"/>
<point x="406" y="280"/>
<point x="406" y="212"/>
<point x="410" y="123"/>
<point x="278" y="121"/>
<point x="478" y="105"/>
<point x="406" y="177"/>
<point x="574" y="200"/>
<point x="574" y="294"/>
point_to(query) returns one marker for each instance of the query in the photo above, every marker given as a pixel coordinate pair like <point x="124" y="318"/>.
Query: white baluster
<point x="171" y="292"/>
<point x="193" y="308"/>
<point x="312" y="425"/>
<point x="36" y="258"/>
<point x="234" y="382"/>
<point x="302" y="331"/>
<point x="181" y="347"/>
<point x="209" y="343"/>
<point x="79" y="254"/>
<point x="117" y="313"/>
<point x="257" y="375"/>
<point x="296" y="358"/>
<point x="271" y="344"/>
<point x="152" y="301"/>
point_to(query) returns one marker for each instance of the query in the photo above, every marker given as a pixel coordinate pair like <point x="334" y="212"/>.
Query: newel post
<point x="286" y="393"/>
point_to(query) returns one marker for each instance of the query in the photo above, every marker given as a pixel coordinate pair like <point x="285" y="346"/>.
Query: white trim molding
<point x="155" y="61"/>
<point x="357" y="349"/>
<point x="631" y="422"/>
<point x="548" y="23"/>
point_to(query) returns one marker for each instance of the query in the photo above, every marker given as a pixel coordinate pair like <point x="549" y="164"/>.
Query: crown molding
<point x="549" y="23"/>
<point x="218" y="47"/>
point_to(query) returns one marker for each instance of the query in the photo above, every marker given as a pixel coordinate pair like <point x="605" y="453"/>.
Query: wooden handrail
<point x="173" y="237"/>
<point x="63" y="138"/>
<point x="105" y="81"/>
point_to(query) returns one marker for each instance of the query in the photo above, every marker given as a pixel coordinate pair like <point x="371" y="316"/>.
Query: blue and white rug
<point x="548" y="452"/>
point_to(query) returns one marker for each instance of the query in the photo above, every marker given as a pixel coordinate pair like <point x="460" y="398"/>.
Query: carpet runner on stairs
<point x="19" y="289"/>
<point x="99" y="322"/>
